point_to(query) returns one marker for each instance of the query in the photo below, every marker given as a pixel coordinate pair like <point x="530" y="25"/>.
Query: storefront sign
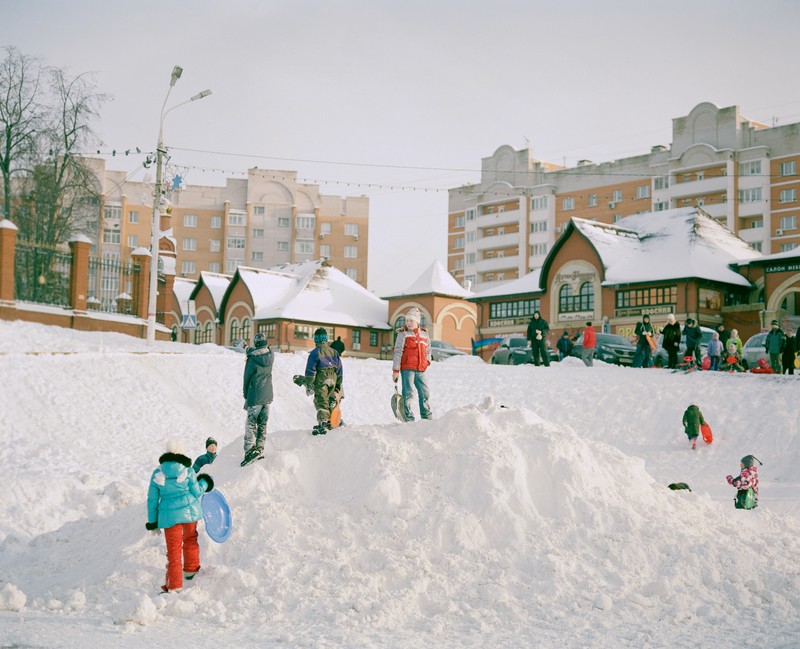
<point x="787" y="267"/>
<point x="509" y="322"/>
<point x="662" y="309"/>
<point x="583" y="316"/>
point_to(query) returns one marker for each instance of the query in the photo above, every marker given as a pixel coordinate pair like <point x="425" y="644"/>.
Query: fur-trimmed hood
<point x="175" y="457"/>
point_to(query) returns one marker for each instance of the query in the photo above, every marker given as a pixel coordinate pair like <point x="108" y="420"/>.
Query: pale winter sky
<point x="410" y="94"/>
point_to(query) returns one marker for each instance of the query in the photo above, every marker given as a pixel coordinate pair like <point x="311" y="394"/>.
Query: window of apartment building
<point x="188" y="267"/>
<point x="258" y="210"/>
<point x="216" y="222"/>
<point x="190" y="220"/>
<point x="700" y="201"/>
<point x="660" y="206"/>
<point x="515" y="309"/>
<point x="257" y="256"/>
<point x="616" y="218"/>
<point x="190" y="243"/>
<point x="788" y="168"/>
<point x="283" y="246"/>
<point x="569" y="302"/>
<point x="324" y="228"/>
<point x="700" y="175"/>
<point x="538" y="249"/>
<point x="756" y="245"/>
<point x="112" y="212"/>
<point x="758" y="223"/>
<point x="214" y="266"/>
<point x="133" y="216"/>
<point x="471" y="214"/>
<point x="231" y="265"/>
<point x="568" y="203"/>
<point x="283" y="222"/>
<point x="325" y="251"/>
<point x="351" y="252"/>
<point x="305" y="222"/>
<point x="616" y="196"/>
<point x="501" y="277"/>
<point x="458" y="243"/>
<point x="647" y="297"/>
<point x="539" y="226"/>
<point x="111" y="236"/>
<point x="592" y="202"/>
<point x="788" y="223"/>
<point x="788" y="195"/>
<point x="539" y="203"/>
<point x="302" y="332"/>
<point x="352" y="273"/>
<point x="501" y="209"/>
<point x="133" y="241"/>
<point x="237" y="217"/>
<point x="351" y="229"/>
<point x="213" y="245"/>
<point x="459" y="222"/>
<point x="258" y="233"/>
<point x="304" y="247"/>
<point x="661" y="182"/>
<point x="643" y="191"/>
<point x="471" y="236"/>
<point x="470" y="257"/>
<point x="500" y="253"/>
<point x="373" y="338"/>
<point x="459" y="264"/>
<point x="236" y="243"/>
<point x="751" y="168"/>
<point x="687" y="178"/>
<point x="751" y="195"/>
<point x="469" y="280"/>
<point x="786" y="247"/>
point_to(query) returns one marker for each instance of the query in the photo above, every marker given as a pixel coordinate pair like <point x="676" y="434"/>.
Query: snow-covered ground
<point x="543" y="523"/>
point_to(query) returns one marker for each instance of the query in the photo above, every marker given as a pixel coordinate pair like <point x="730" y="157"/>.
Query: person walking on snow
<point x="747" y="479"/>
<point x="412" y="356"/>
<point x="537" y="335"/>
<point x="692" y="420"/>
<point x="338" y="345"/>
<point x="173" y="505"/>
<point x="589" y="345"/>
<point x="257" y="391"/>
<point x="324" y="377"/>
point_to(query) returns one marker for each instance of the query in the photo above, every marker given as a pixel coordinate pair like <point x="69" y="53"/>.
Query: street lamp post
<point x="157" y="196"/>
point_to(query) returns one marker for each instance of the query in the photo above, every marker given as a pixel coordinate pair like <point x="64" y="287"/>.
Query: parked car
<point x="754" y="349"/>
<point x="516" y="350"/>
<point x="441" y="350"/>
<point x="611" y="348"/>
<point x="661" y="358"/>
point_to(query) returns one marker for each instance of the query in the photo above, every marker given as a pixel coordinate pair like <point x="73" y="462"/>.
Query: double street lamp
<point x="161" y="151"/>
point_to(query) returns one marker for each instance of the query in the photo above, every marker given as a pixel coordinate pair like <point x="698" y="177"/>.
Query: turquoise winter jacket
<point x="174" y="493"/>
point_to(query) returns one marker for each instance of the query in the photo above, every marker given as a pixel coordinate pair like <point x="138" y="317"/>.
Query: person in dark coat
<point x="788" y="353"/>
<point x="564" y="345"/>
<point x="775" y="343"/>
<point x="257" y="391"/>
<point x="537" y="335"/>
<point x="672" y="340"/>
<point x="643" y="350"/>
<point x="693" y="335"/>
<point x="338" y="345"/>
<point x="324" y="378"/>
<point x="692" y="420"/>
<point x="724" y="335"/>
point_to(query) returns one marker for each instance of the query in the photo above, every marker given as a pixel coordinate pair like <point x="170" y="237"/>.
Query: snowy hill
<point x="532" y="511"/>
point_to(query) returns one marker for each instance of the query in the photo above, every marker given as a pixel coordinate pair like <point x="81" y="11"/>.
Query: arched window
<point x="234" y="331"/>
<point x="568" y="302"/>
<point x="566" y="299"/>
<point x="587" y="297"/>
<point x="209" y="332"/>
<point x="246" y="330"/>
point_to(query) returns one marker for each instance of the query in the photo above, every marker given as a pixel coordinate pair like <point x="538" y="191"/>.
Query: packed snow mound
<point x="489" y="518"/>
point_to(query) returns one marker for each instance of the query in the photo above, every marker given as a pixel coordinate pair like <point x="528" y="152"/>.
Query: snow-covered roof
<point x="526" y="284"/>
<point x="672" y="244"/>
<point x="778" y="256"/>
<point x="216" y="283"/>
<point x="436" y="280"/>
<point x="183" y="289"/>
<point x="312" y="291"/>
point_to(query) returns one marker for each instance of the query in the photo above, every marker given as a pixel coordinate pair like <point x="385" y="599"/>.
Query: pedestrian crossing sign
<point x="189" y="322"/>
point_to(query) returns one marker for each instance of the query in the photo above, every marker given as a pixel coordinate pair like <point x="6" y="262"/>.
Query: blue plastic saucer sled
<point x="217" y="515"/>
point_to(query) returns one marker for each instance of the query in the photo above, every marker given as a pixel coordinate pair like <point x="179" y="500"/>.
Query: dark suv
<point x="611" y="348"/>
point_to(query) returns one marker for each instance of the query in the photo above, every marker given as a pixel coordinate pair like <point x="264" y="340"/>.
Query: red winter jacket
<point x="748" y="478"/>
<point x="589" y="338"/>
<point x="412" y="350"/>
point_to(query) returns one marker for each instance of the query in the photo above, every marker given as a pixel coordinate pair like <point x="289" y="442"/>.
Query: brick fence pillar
<point x="8" y="242"/>
<point x="141" y="256"/>
<point x="79" y="272"/>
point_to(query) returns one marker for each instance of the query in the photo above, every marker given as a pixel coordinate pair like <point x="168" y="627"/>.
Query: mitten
<point x="151" y="526"/>
<point x="206" y="481"/>
<point x="309" y="390"/>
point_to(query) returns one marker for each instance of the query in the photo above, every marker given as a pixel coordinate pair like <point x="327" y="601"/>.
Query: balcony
<point x="699" y="187"/>
<point x="499" y="218"/>
<point x="509" y="262"/>
<point x="499" y="241"/>
<point x="756" y="208"/>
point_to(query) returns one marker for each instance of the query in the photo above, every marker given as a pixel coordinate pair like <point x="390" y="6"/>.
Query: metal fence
<point x="113" y="285"/>
<point x="41" y="274"/>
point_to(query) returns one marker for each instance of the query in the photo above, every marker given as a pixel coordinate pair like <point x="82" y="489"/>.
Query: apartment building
<point x="743" y="173"/>
<point x="264" y="220"/>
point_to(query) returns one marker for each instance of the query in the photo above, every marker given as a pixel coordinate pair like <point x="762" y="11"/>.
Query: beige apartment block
<point x="741" y="172"/>
<point x="266" y="219"/>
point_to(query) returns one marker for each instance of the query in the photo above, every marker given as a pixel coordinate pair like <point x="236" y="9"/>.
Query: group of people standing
<point x="537" y="337"/>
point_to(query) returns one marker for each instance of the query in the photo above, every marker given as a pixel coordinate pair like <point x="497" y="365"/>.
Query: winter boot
<point x="255" y="453"/>
<point x="694" y="444"/>
<point x="188" y="576"/>
<point x="320" y="428"/>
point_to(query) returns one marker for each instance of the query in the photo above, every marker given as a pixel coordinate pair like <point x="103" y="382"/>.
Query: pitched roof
<point x="312" y="291"/>
<point x="216" y="283"/>
<point x="436" y="279"/>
